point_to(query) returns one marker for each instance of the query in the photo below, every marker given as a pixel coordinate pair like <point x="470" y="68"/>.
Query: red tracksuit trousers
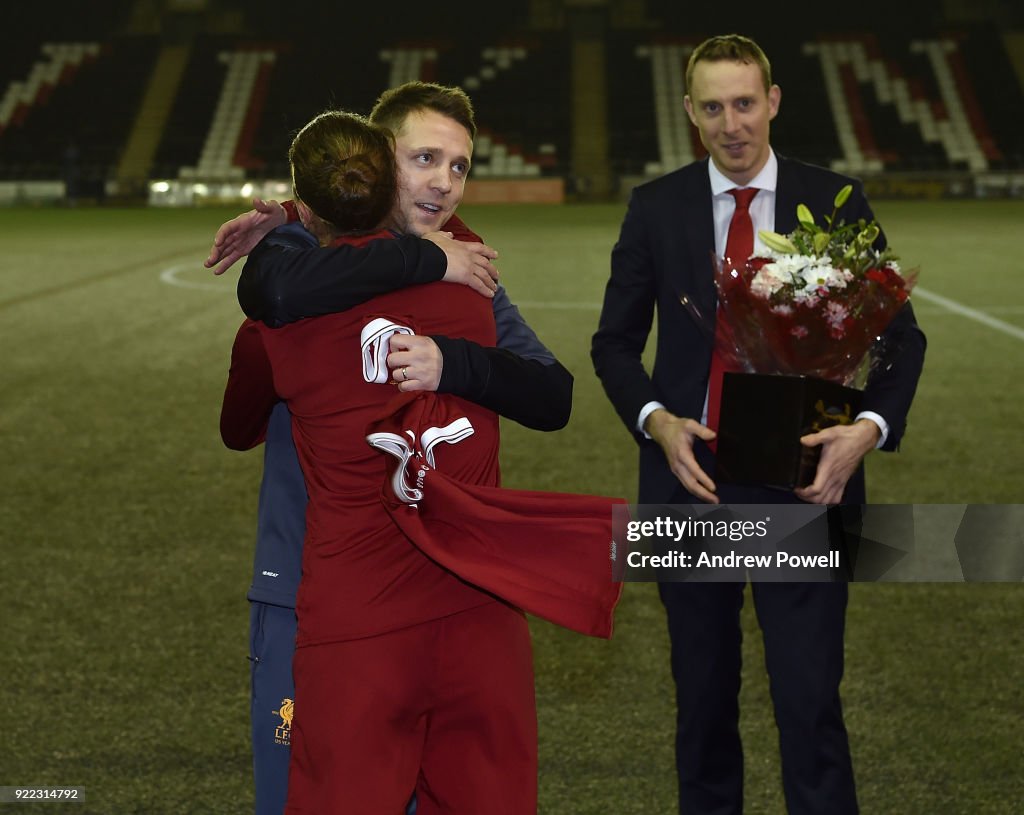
<point x="445" y="708"/>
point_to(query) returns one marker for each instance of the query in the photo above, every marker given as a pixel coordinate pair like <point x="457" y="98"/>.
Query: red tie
<point x="739" y="245"/>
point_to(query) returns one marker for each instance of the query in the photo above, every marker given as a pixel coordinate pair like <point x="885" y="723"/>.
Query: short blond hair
<point x="734" y="47"/>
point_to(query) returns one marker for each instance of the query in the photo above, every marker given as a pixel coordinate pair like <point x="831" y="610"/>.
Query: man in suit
<point x="672" y="227"/>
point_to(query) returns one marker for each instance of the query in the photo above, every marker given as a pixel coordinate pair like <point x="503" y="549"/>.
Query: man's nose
<point x="442" y="179"/>
<point x="732" y="120"/>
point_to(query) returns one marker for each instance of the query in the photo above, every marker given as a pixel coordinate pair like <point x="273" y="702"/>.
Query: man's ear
<point x="688" y="104"/>
<point x="774" y="100"/>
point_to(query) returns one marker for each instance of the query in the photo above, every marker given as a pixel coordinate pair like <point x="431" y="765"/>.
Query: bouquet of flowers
<point x="815" y="303"/>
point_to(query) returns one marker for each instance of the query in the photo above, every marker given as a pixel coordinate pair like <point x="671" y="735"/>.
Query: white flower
<point x="768" y="280"/>
<point x="820" y="273"/>
<point x="793" y="266"/>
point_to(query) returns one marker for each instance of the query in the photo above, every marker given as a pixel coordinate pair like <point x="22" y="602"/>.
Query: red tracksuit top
<point x="373" y="564"/>
<point x="361" y="575"/>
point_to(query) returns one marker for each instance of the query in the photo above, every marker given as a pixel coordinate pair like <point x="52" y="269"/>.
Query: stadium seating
<point x="225" y="153"/>
<point x="520" y="92"/>
<point x="632" y="142"/>
<point x="881" y="101"/>
<point x="672" y="124"/>
<point x="304" y="81"/>
<point x="91" y="105"/>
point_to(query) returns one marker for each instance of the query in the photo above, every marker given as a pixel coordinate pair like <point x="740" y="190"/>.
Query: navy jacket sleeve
<point x="535" y="394"/>
<point x="287" y="277"/>
<point x="898" y="359"/>
<point x="520" y="379"/>
<point x="627" y="316"/>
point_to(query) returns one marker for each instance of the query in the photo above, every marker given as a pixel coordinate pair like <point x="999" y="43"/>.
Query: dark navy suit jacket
<point x="664" y="250"/>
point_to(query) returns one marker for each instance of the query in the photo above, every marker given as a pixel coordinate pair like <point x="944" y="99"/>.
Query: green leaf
<point x="820" y="242"/>
<point x="803" y="215"/>
<point x="777" y="242"/>
<point x="843" y="196"/>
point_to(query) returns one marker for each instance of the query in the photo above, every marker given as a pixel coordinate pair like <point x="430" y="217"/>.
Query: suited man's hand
<point x="675" y="437"/>
<point x="842" y="448"/>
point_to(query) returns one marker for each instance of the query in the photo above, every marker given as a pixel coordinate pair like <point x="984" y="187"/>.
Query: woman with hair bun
<point x="344" y="175"/>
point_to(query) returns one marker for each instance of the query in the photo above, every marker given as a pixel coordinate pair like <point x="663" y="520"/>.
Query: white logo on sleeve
<point x="375" y="346"/>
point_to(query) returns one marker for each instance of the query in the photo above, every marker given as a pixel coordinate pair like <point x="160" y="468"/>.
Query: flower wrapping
<point x="798" y="322"/>
<point x="813" y="304"/>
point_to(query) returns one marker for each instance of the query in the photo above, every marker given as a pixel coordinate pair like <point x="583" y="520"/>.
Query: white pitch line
<point x="969" y="313"/>
<point x="170" y="277"/>
<point x="926" y="308"/>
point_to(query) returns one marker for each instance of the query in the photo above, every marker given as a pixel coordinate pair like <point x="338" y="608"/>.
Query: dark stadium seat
<point x="932" y="101"/>
<point x="95" y="108"/>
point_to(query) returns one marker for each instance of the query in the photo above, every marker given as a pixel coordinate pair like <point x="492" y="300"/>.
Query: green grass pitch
<point x="127" y="528"/>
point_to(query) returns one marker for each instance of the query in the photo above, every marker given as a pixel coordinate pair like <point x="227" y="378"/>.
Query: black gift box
<point x="761" y="421"/>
